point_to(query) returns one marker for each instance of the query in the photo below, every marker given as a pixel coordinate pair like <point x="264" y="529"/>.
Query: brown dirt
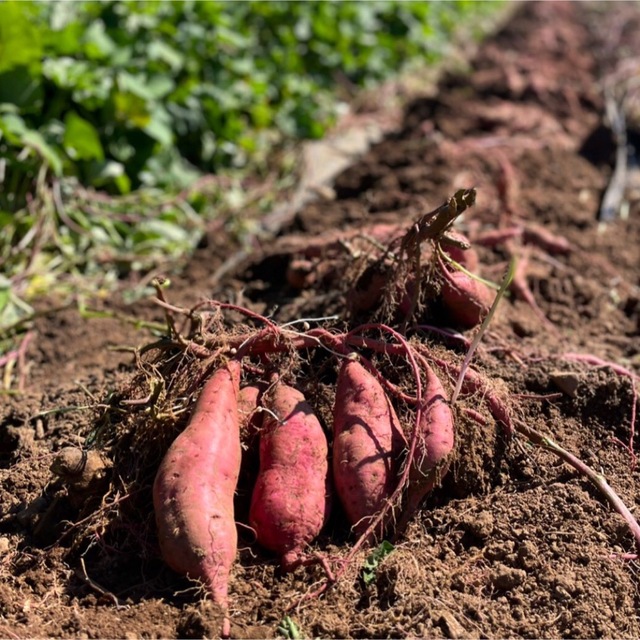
<point x="514" y="544"/>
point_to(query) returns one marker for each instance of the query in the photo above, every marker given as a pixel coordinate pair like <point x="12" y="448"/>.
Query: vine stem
<point x="581" y="467"/>
<point x="483" y="327"/>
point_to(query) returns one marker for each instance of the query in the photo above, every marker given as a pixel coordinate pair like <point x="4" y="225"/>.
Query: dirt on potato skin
<point x="515" y="543"/>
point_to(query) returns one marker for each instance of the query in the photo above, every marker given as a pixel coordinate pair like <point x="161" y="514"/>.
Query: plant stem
<point x="596" y="478"/>
<point x="483" y="327"/>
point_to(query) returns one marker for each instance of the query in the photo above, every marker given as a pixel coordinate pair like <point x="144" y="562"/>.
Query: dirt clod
<point x="506" y="578"/>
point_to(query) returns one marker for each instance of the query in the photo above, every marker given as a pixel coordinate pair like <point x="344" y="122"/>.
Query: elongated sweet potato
<point x="433" y="448"/>
<point x="367" y="445"/>
<point x="291" y="498"/>
<point x="194" y="487"/>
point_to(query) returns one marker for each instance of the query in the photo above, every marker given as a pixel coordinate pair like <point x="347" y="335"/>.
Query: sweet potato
<point x="466" y="300"/>
<point x="248" y="409"/>
<point x="496" y="237"/>
<point x="250" y="417"/>
<point x="291" y="498"/>
<point x="547" y="240"/>
<point x="435" y="442"/>
<point x="372" y="287"/>
<point x="194" y="487"/>
<point x="367" y="445"/>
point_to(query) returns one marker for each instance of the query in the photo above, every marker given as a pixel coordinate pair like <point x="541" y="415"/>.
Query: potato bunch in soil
<point x="237" y="423"/>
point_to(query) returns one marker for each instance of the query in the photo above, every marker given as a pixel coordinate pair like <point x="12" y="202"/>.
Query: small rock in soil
<point x="566" y="381"/>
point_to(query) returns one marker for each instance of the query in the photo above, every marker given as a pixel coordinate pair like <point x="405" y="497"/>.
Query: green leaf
<point x="159" y="127"/>
<point x="35" y="140"/>
<point x="81" y="140"/>
<point x="261" y="115"/>
<point x="159" y="50"/>
<point x="131" y="110"/>
<point x="113" y="173"/>
<point x="5" y="292"/>
<point x="20" y="37"/>
<point x="173" y="233"/>
<point x="123" y="183"/>
<point x="160" y="86"/>
<point x="136" y="84"/>
<point x="62" y="14"/>
<point x="6" y="219"/>
<point x="12" y="127"/>
<point x="18" y="87"/>
<point x="12" y="308"/>
<point x="373" y="561"/>
<point x="289" y="629"/>
<point x="98" y="45"/>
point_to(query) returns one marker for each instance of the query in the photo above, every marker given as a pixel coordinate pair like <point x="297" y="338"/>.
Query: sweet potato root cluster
<point x="399" y="275"/>
<point x="381" y="441"/>
<point x="364" y="458"/>
<point x="371" y="449"/>
<point x="277" y="427"/>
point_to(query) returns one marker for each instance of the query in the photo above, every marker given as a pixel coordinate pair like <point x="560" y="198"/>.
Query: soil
<point x="514" y="543"/>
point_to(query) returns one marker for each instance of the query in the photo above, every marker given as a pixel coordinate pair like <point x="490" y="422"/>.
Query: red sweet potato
<point x="291" y="498"/>
<point x="371" y="288"/>
<point x="194" y="487"/>
<point x="496" y="237"/>
<point x="545" y="239"/>
<point x="435" y="442"/>
<point x="466" y="299"/>
<point x="250" y="417"/>
<point x="367" y="445"/>
<point x="249" y="409"/>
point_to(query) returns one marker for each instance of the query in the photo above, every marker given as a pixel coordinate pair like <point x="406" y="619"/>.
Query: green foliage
<point x="20" y="38"/>
<point x="373" y="560"/>
<point x="128" y="93"/>
<point x="137" y="99"/>
<point x="84" y="245"/>
<point x="289" y="629"/>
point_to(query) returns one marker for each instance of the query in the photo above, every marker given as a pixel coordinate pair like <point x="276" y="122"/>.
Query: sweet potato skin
<point x="466" y="300"/>
<point x="367" y="445"/>
<point x="250" y="416"/>
<point x="194" y="487"/>
<point x="291" y="498"/>
<point x="435" y="438"/>
<point x="249" y="400"/>
<point x="434" y="446"/>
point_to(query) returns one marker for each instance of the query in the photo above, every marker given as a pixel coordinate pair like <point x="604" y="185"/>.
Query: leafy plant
<point x="111" y="111"/>
<point x="373" y="560"/>
<point x="289" y="629"/>
<point x="125" y="93"/>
